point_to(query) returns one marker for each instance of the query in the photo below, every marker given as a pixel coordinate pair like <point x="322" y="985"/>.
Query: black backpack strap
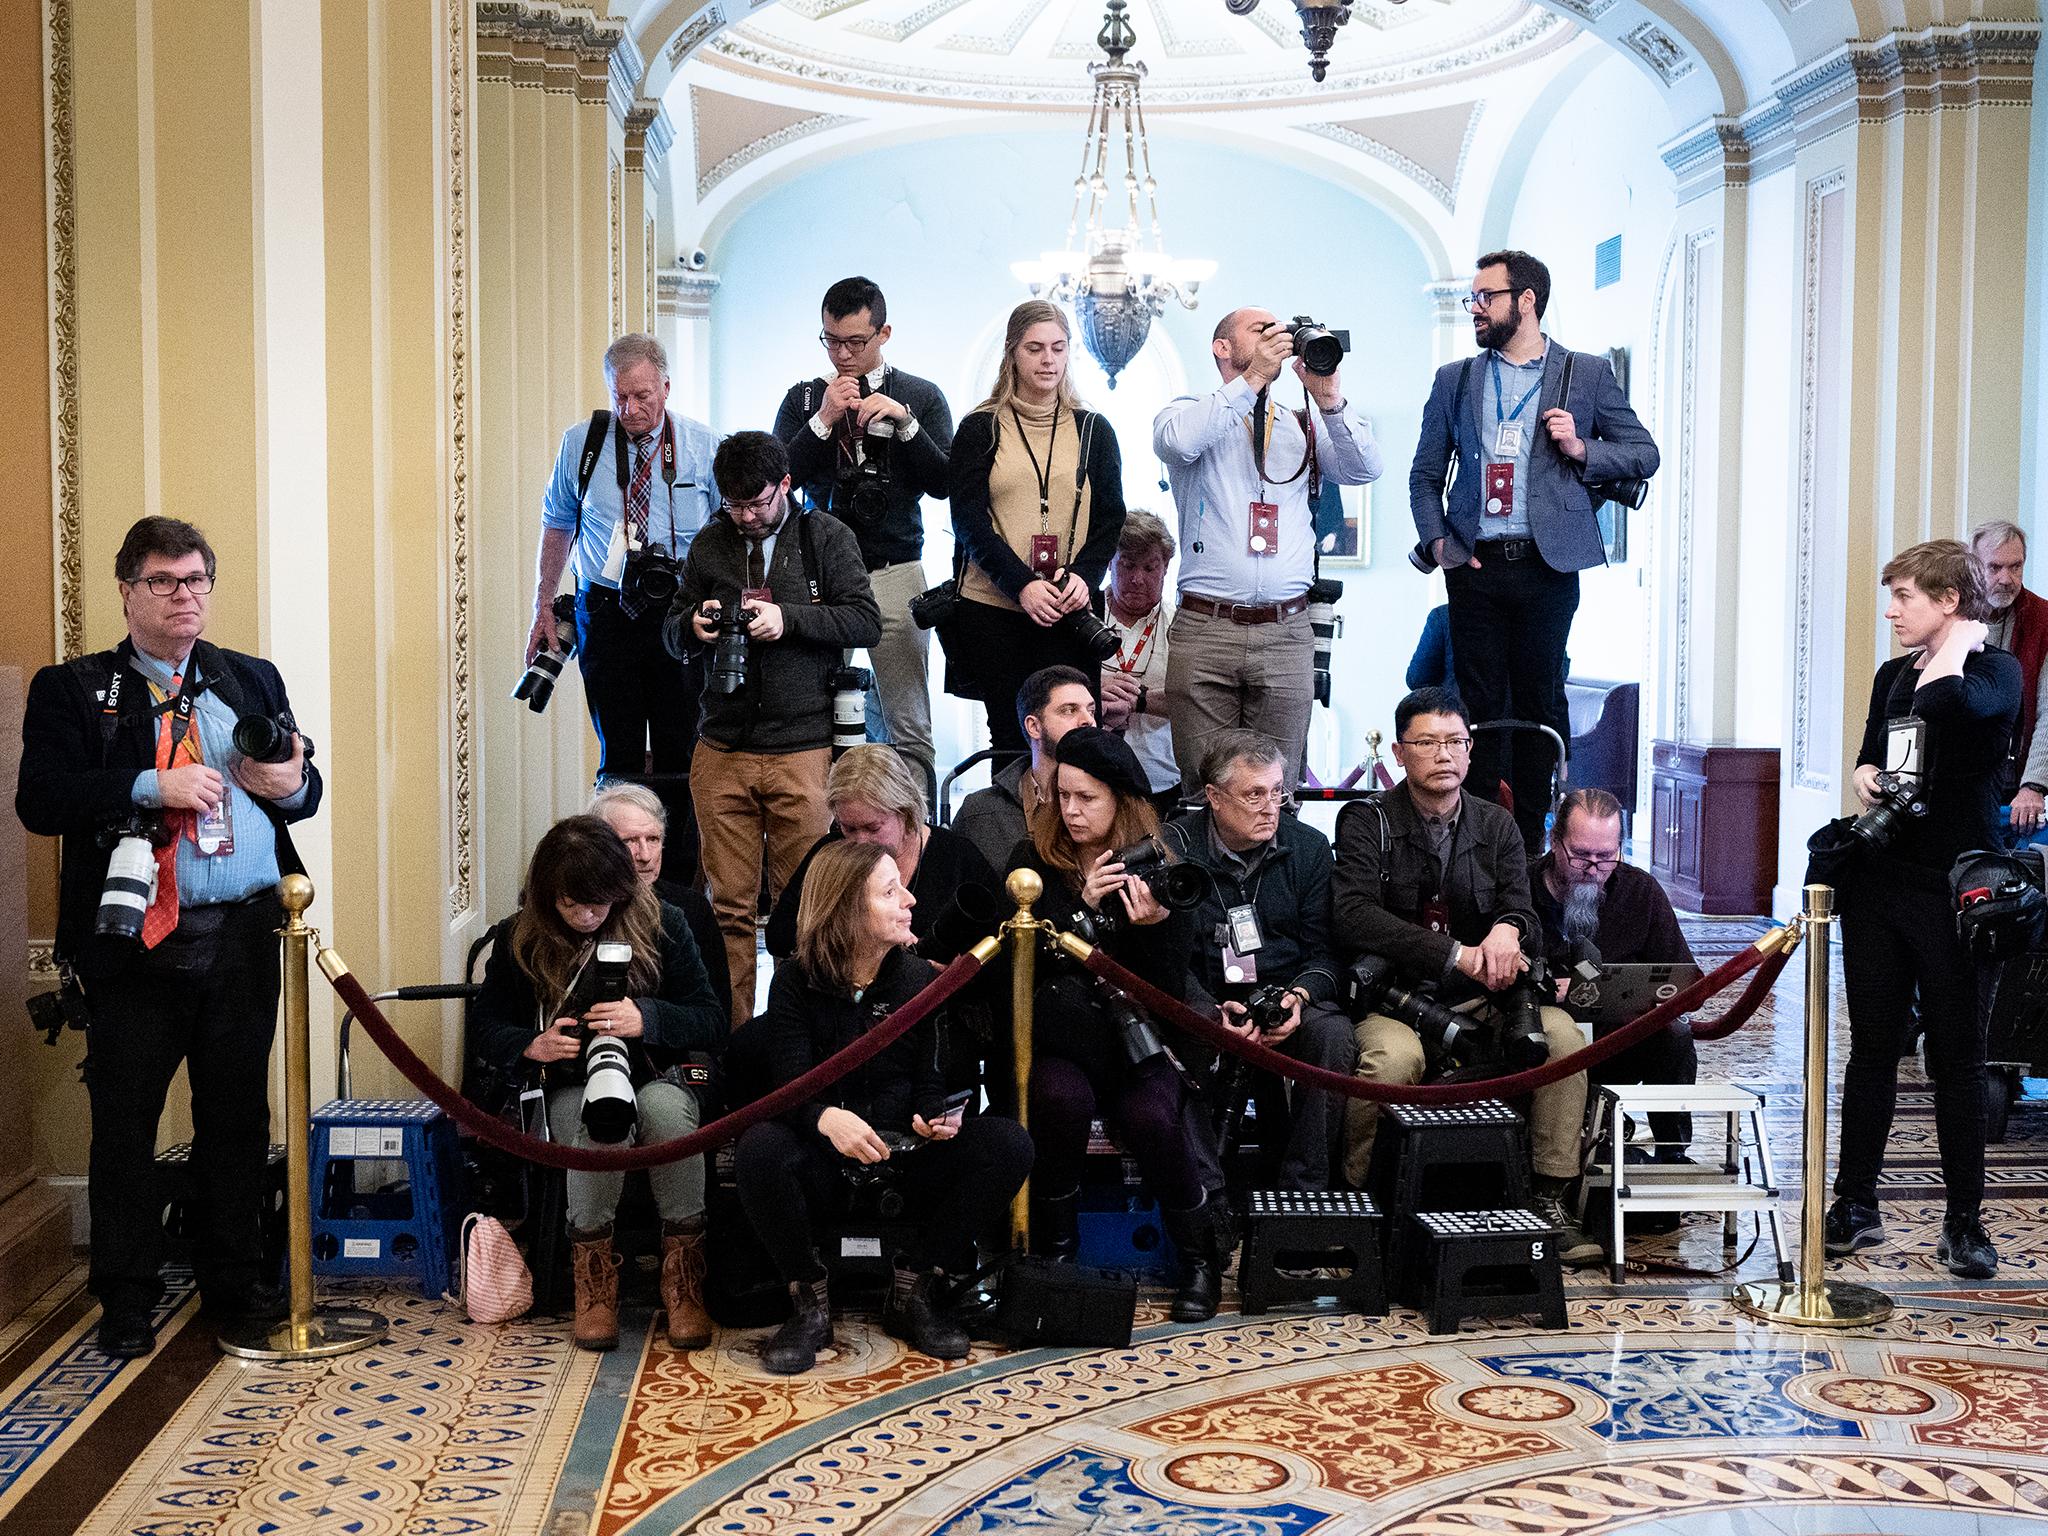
<point x="586" y="463"/>
<point x="1458" y="402"/>
<point x="1377" y="801"/>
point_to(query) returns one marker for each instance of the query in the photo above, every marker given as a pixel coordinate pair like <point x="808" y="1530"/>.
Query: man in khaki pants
<point x="868" y="444"/>
<point x="1432" y="879"/>
<point x="757" y="780"/>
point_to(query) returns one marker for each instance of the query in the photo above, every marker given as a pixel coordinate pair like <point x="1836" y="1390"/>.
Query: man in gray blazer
<point x="1518" y="524"/>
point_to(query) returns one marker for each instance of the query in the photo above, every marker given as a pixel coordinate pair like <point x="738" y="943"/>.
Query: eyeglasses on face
<point x="847" y="344"/>
<point x="758" y="504"/>
<point x="1481" y="298"/>
<point x="1258" y="799"/>
<point x="1437" y="746"/>
<point x="163" y="584"/>
<point x="1591" y="862"/>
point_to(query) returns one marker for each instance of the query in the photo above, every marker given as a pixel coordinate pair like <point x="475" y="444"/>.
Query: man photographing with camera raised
<point x="1530" y="428"/>
<point x="779" y="594"/>
<point x="629" y="491"/>
<point x="170" y="768"/>
<point x="867" y="445"/>
<point x="1431" y="899"/>
<point x="1929" y="776"/>
<point x="1245" y="476"/>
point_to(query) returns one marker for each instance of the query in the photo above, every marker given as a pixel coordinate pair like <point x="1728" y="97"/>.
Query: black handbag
<point x="1065" y="1304"/>
<point x="1834" y="854"/>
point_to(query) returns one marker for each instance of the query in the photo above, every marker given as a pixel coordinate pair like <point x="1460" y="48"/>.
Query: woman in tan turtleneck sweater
<point x="1038" y="504"/>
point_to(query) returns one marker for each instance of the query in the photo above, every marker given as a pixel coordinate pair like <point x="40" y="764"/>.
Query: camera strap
<point x="1260" y="425"/>
<point x="808" y="554"/>
<point x="622" y="458"/>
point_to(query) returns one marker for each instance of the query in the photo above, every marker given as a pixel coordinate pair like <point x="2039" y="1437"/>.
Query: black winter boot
<point x="794" y="1349"/>
<point x="912" y="1315"/>
<point x="1199" y="1236"/>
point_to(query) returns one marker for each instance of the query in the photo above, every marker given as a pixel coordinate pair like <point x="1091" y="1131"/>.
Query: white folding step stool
<point x="1678" y="1186"/>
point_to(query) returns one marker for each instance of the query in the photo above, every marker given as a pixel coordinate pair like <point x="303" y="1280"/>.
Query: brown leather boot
<point x="596" y="1269"/>
<point x="682" y="1287"/>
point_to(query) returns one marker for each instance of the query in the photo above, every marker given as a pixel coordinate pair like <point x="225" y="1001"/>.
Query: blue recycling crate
<point x="401" y="1231"/>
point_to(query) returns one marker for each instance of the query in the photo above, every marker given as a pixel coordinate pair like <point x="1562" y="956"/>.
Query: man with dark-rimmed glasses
<point x="1586" y="897"/>
<point x="1518" y="523"/>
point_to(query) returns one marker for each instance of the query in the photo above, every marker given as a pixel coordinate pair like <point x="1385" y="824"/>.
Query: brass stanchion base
<point x="330" y="1331"/>
<point x="1831" y="1304"/>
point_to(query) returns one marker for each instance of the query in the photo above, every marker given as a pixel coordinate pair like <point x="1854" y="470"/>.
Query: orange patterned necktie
<point x="162" y="916"/>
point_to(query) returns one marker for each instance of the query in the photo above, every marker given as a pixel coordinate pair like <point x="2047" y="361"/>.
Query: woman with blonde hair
<point x="875" y="796"/>
<point x="1038" y="503"/>
<point x="957" y="1173"/>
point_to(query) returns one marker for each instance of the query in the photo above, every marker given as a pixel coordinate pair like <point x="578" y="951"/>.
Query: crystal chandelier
<point x="1113" y="282"/>
<point x="1320" y="20"/>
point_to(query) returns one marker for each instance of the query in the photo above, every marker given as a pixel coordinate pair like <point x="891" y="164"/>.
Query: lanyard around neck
<point x="1042" y="471"/>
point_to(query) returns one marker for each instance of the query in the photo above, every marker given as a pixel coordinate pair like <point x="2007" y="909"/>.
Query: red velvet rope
<point x="1172" y="1011"/>
<point x="553" y="1154"/>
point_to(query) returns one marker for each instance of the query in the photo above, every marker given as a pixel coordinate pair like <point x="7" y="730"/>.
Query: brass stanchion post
<point x="1023" y="931"/>
<point x="1813" y="1300"/>
<point x="311" y="1332"/>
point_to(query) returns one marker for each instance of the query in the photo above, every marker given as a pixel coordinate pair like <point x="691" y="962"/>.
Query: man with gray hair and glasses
<point x="630" y="490"/>
<point x="2019" y="624"/>
<point x="1263" y="929"/>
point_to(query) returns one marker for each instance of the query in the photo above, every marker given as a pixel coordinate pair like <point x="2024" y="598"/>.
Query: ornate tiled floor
<point x="1660" y="1411"/>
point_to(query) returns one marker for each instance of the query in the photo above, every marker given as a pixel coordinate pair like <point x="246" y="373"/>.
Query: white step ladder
<point x="1736" y="1185"/>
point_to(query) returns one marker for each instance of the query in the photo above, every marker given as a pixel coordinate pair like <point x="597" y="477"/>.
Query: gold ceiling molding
<point x="60" y="195"/>
<point x="564" y="50"/>
<point x="462" y="789"/>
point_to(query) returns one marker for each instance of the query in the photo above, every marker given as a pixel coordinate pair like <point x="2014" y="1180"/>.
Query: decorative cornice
<point x="768" y="143"/>
<point x="1586" y="10"/>
<point x="60" y="196"/>
<point x="909" y="23"/>
<point x="749" y="52"/>
<point x="694" y="34"/>
<point x="649" y="133"/>
<point x="625" y="69"/>
<point x="1946" y="68"/>
<point x="564" y="50"/>
<point x="1708" y="156"/>
<point x="682" y="294"/>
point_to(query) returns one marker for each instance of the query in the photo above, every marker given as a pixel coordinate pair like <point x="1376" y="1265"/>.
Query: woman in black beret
<point x="1095" y="1051"/>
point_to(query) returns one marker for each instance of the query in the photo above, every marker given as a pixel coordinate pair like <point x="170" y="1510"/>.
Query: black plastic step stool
<point x="1311" y="1230"/>
<point x="1462" y="1157"/>
<point x="176" y="1192"/>
<point x="1499" y="1263"/>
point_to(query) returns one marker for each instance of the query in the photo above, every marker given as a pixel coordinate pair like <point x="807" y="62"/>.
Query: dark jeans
<point x="1899" y="938"/>
<point x="1510" y="620"/>
<point x="1668" y="1056"/>
<point x="1145" y="1108"/>
<point x="1002" y="650"/>
<point x="206" y="996"/>
<point x="955" y="1189"/>
<point x="642" y="700"/>
<point x="1315" y="1117"/>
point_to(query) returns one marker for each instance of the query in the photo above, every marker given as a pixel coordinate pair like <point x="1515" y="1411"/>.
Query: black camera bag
<point x="1065" y="1304"/>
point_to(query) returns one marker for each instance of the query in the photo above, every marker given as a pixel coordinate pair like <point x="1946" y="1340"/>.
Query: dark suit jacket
<point x="1375" y="903"/>
<point x="73" y="783"/>
<point x="1561" y="519"/>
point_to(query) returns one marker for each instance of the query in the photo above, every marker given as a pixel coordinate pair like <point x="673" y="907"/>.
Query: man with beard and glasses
<point x="1594" y="907"/>
<point x="2019" y="624"/>
<point x="1518" y="524"/>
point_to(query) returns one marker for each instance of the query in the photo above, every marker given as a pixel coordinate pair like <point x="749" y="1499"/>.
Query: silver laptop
<point x="1626" y="992"/>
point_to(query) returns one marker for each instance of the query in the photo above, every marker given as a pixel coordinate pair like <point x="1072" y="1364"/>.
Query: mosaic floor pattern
<point x="1661" y="1411"/>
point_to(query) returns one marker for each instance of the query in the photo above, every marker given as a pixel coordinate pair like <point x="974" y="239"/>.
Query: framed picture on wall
<point x="1344" y="524"/>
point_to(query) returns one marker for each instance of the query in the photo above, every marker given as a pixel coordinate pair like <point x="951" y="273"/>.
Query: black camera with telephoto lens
<point x="536" y="684"/>
<point x="1177" y="887"/>
<point x="268" y="738"/>
<point x="849" y="708"/>
<point x="1320" y="349"/>
<point x="130" y="883"/>
<point x="728" y="645"/>
<point x="1446" y="1034"/>
<point x="1090" y="633"/>
<point x="610" y="1111"/>
<point x="1523" y="1044"/>
<point x="1900" y="799"/>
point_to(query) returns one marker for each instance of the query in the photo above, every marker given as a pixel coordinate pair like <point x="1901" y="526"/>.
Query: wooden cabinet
<point x="1714" y="824"/>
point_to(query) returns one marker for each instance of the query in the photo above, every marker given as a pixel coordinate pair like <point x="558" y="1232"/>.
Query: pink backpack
<point x="496" y="1284"/>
